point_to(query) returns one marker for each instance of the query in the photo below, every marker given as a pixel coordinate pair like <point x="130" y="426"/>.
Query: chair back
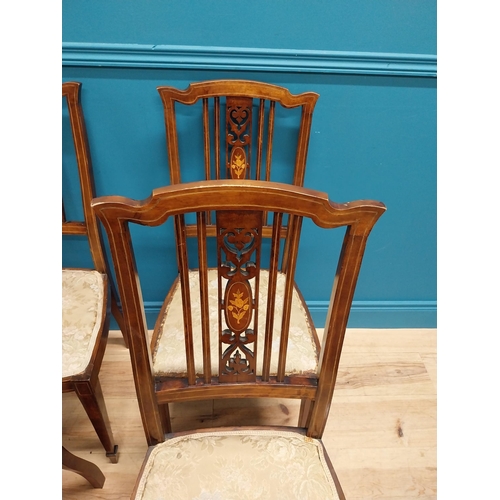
<point x="238" y="122"/>
<point x="250" y="288"/>
<point x="238" y="125"/>
<point x="87" y="227"/>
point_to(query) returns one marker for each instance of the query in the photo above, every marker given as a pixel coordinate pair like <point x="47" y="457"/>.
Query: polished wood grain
<point x="229" y="110"/>
<point x="86" y="384"/>
<point x="239" y="207"/>
<point x="84" y="468"/>
<point x="235" y="100"/>
<point x="380" y="434"/>
<point x="89" y="227"/>
<point x="241" y="197"/>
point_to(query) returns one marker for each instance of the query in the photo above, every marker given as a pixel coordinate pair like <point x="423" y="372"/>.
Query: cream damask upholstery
<point x="237" y="465"/>
<point x="169" y="350"/>
<point x="83" y="292"/>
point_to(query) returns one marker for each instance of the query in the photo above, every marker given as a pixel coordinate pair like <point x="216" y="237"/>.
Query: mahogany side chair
<point x="237" y="325"/>
<point x="241" y="129"/>
<point x="88" y="295"/>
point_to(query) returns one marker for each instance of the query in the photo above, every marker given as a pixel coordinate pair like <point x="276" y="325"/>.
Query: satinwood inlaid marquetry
<point x="239" y="136"/>
<point x="239" y="237"/>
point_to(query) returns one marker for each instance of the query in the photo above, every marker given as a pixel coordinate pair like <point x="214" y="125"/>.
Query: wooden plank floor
<point x="381" y="433"/>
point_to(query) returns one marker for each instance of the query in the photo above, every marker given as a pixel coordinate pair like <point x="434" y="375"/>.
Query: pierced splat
<point x="239" y="236"/>
<point x="238" y="137"/>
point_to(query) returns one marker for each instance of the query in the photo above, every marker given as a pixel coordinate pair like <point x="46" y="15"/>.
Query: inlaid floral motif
<point x="238" y="163"/>
<point x="169" y="351"/>
<point x="238" y="306"/>
<point x="239" y="237"/>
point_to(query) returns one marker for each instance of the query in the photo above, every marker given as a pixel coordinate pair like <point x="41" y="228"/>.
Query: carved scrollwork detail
<point x="238" y="247"/>
<point x="238" y="241"/>
<point x="239" y="360"/>
<point x="239" y="136"/>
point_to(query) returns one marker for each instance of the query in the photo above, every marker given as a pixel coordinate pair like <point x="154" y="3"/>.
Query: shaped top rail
<point x="239" y="195"/>
<point x="239" y="88"/>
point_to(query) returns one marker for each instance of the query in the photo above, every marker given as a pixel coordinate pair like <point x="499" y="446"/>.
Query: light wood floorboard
<point x="381" y="433"/>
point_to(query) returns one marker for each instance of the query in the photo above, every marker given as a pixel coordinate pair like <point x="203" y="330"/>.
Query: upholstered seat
<point x="238" y="465"/>
<point x="169" y="357"/>
<point x="83" y="293"/>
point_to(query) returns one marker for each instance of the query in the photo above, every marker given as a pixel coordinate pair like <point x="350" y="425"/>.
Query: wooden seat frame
<point x="86" y="385"/>
<point x="239" y="202"/>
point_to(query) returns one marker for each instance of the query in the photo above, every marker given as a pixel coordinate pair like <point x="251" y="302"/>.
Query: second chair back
<point x="238" y="124"/>
<point x="238" y="119"/>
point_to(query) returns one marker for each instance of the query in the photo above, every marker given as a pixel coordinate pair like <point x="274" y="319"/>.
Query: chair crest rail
<point x="227" y="194"/>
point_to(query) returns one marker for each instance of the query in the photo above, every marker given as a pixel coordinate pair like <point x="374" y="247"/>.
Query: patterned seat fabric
<point x="82" y="314"/>
<point x="169" y="357"/>
<point x="237" y="465"/>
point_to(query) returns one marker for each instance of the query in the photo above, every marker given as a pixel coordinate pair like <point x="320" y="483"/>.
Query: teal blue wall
<point x="354" y="25"/>
<point x="373" y="132"/>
